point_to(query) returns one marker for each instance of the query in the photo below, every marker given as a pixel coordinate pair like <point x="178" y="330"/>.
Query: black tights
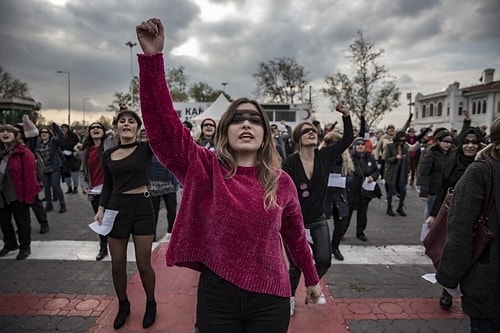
<point x="118" y="250"/>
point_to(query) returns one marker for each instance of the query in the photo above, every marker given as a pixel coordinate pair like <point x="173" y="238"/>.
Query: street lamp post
<point x="84" y="100"/>
<point x="408" y="97"/>
<point x="131" y="45"/>
<point x="69" y="94"/>
<point x="224" y="84"/>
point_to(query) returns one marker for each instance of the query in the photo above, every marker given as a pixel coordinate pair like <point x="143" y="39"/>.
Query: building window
<point x="440" y="109"/>
<point x="474" y="107"/>
<point x="448" y="111"/>
<point x="424" y="111"/>
<point x="484" y="106"/>
<point x="498" y="107"/>
<point x="460" y="108"/>
<point x="431" y="110"/>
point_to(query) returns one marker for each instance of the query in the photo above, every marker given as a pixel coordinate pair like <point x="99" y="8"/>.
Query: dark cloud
<point x="428" y="44"/>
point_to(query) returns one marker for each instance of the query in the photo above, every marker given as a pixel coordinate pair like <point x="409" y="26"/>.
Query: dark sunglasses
<point x="208" y="125"/>
<point x="467" y="141"/>
<point x="308" y="130"/>
<point x="252" y="116"/>
<point x="96" y="127"/>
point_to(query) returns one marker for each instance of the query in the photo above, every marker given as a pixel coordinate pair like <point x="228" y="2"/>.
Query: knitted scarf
<point x="5" y="155"/>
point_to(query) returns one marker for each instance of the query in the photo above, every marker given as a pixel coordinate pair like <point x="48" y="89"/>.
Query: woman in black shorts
<point x="125" y="190"/>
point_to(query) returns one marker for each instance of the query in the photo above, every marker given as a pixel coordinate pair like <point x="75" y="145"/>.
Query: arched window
<point x="424" y="111"/>
<point x="440" y="109"/>
<point x="484" y="106"/>
<point x="474" y="107"/>
<point x="431" y="110"/>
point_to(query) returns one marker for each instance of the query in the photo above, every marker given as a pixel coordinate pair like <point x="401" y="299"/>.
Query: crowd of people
<point x="282" y="186"/>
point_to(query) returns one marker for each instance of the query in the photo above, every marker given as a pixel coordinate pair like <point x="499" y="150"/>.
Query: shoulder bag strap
<point x="489" y="198"/>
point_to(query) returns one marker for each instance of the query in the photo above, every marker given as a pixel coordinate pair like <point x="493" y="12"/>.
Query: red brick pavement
<point x="176" y="299"/>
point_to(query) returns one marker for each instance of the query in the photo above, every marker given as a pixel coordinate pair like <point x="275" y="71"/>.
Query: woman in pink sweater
<point x="237" y="210"/>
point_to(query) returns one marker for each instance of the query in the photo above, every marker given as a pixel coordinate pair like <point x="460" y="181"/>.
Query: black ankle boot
<point x="150" y="314"/>
<point x="390" y="212"/>
<point x="123" y="312"/>
<point x="446" y="300"/>
<point x="103" y="252"/>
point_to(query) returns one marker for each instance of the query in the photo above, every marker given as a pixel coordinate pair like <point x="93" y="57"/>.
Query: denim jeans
<point x="224" y="307"/>
<point x="482" y="325"/>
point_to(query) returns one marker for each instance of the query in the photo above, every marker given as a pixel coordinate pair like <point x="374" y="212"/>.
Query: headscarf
<point x="458" y="161"/>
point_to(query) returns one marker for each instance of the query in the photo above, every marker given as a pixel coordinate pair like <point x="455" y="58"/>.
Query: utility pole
<point x="131" y="45"/>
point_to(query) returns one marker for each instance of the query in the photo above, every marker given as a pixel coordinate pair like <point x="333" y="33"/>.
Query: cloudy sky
<point x="428" y="44"/>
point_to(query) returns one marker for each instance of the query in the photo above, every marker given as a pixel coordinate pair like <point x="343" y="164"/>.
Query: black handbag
<point x="376" y="193"/>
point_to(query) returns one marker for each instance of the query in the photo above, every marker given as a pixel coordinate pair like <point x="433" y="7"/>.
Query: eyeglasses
<point x="96" y="127"/>
<point x="308" y="130"/>
<point x="447" y="141"/>
<point x="208" y="125"/>
<point x="467" y="141"/>
<point x="252" y="116"/>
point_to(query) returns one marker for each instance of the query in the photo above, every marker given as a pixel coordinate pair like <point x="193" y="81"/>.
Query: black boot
<point x="123" y="312"/>
<point x="75" y="190"/>
<point x="446" y="300"/>
<point x="390" y="212"/>
<point x="337" y="255"/>
<point x="69" y="191"/>
<point x="44" y="227"/>
<point x="103" y="252"/>
<point x="23" y="254"/>
<point x="150" y="314"/>
<point x="49" y="207"/>
<point x="401" y="211"/>
<point x="63" y="208"/>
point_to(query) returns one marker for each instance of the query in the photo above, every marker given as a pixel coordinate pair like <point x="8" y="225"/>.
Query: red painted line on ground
<point x="176" y="299"/>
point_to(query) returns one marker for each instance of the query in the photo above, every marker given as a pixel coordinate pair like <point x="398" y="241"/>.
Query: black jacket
<point x="480" y="284"/>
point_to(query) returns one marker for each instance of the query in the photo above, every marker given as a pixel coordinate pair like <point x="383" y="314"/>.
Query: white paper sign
<point x="424" y="231"/>
<point x="96" y="190"/>
<point x="108" y="219"/>
<point x="336" y="180"/>
<point x="368" y="186"/>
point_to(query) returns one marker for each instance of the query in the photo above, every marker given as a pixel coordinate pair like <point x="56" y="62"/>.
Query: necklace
<point x="128" y="145"/>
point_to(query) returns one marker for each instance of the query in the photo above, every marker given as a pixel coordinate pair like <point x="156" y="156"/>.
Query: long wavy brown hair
<point x="267" y="155"/>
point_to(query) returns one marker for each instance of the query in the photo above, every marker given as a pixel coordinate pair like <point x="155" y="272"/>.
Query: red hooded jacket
<point x="22" y="170"/>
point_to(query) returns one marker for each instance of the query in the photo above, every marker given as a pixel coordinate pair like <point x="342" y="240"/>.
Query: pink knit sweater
<point x="222" y="223"/>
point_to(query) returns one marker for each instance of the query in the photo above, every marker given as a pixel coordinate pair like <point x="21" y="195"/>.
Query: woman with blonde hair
<point x="236" y="209"/>
<point x="336" y="204"/>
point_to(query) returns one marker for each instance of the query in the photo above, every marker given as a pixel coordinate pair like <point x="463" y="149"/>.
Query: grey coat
<point x="480" y="285"/>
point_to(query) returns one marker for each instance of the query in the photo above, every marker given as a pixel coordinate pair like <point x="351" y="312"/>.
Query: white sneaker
<point x="292" y="306"/>
<point x="321" y="299"/>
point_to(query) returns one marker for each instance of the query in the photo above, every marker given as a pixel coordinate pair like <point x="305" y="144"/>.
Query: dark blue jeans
<point x="482" y="325"/>
<point x="224" y="307"/>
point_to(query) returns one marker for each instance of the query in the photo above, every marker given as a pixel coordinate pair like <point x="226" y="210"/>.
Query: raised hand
<point x="344" y="109"/>
<point x="151" y="36"/>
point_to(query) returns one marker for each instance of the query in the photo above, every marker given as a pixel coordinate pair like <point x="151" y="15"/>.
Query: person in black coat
<point x="468" y="143"/>
<point x="479" y="282"/>
<point x="365" y="168"/>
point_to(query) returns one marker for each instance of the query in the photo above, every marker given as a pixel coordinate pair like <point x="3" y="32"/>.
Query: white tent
<point x="214" y="111"/>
